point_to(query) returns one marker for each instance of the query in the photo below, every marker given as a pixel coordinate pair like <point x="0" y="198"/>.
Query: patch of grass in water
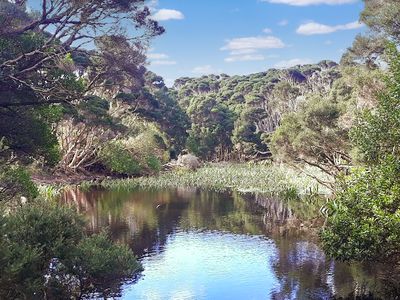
<point x="245" y="178"/>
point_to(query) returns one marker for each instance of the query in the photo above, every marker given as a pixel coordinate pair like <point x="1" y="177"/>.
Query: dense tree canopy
<point x="249" y="108"/>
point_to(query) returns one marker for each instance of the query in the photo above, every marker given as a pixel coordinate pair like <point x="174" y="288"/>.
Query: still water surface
<point x="205" y="245"/>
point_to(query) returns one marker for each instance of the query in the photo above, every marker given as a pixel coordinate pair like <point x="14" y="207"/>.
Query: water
<point x="205" y="245"/>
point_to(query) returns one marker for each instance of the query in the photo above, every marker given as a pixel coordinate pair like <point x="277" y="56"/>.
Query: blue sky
<point x="249" y="36"/>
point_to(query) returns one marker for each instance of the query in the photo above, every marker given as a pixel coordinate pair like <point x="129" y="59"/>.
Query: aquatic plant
<point x="244" y="178"/>
<point x="50" y="192"/>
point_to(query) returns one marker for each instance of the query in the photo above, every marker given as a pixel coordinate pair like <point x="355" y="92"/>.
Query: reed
<point x="247" y="178"/>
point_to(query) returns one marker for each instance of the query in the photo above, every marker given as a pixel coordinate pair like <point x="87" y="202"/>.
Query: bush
<point x="15" y="181"/>
<point x="52" y="228"/>
<point x="118" y="160"/>
<point x="90" y="256"/>
<point x="30" y="237"/>
<point x="364" y="221"/>
<point x="38" y="236"/>
<point x="154" y="163"/>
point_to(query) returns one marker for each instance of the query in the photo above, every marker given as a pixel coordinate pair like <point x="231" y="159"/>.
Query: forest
<point x="77" y="102"/>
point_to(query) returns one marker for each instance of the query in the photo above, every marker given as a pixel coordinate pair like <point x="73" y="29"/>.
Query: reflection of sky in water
<point x="262" y="254"/>
<point x="200" y="265"/>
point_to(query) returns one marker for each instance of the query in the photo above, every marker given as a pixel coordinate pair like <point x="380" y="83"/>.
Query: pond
<point x="196" y="244"/>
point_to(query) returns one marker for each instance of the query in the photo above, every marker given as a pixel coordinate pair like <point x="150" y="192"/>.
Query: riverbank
<point x="62" y="179"/>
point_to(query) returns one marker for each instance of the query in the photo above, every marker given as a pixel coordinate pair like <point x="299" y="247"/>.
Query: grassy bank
<point x="255" y="178"/>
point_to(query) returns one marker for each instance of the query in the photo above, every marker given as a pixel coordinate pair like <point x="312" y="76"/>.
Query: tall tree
<point x="382" y="16"/>
<point x="35" y="47"/>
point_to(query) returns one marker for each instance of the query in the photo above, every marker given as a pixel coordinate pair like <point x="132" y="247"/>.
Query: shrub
<point x="15" y="181"/>
<point x="364" y="221"/>
<point x="154" y="163"/>
<point x="30" y="237"/>
<point x="118" y="160"/>
<point x="90" y="256"/>
<point x="40" y="235"/>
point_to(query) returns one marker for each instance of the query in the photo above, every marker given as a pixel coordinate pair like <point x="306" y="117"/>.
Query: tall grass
<point x="252" y="178"/>
<point x="50" y="192"/>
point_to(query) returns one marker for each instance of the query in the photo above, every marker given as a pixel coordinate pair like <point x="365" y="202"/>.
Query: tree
<point x="246" y="136"/>
<point x="382" y="17"/>
<point x="377" y="132"/>
<point x="366" y="50"/>
<point x="82" y="132"/>
<point x="257" y="102"/>
<point x="46" y="73"/>
<point x="363" y="222"/>
<point x="316" y="136"/>
<point x="212" y="124"/>
<point x="34" y="47"/>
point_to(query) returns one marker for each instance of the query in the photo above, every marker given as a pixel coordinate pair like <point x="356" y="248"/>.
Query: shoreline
<point x="73" y="179"/>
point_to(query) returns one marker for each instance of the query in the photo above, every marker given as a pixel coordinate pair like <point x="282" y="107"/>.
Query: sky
<point x="239" y="37"/>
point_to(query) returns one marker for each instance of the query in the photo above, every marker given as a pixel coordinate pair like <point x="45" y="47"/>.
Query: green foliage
<point x="364" y="221"/>
<point x="90" y="254"/>
<point x="119" y="160"/>
<point x="314" y="135"/>
<point x="377" y="133"/>
<point x="15" y="182"/>
<point x="165" y="110"/>
<point x="37" y="234"/>
<point x="52" y="229"/>
<point x="366" y="50"/>
<point x="212" y="124"/>
<point x="381" y="16"/>
<point x="28" y="133"/>
<point x="154" y="163"/>
<point x="32" y="236"/>
<point x="245" y="134"/>
<point x="230" y="114"/>
<point x="94" y="110"/>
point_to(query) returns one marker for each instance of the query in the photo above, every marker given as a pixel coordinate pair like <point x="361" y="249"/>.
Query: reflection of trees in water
<point x="145" y="219"/>
<point x="301" y="269"/>
<point x="301" y="266"/>
<point x="284" y="218"/>
<point x="224" y="212"/>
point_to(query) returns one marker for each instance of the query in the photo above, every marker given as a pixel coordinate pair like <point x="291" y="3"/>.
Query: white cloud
<point x="163" y="62"/>
<point x="168" y="14"/>
<point x="267" y="30"/>
<point x="292" y="62"/>
<point x="310" y="2"/>
<point x="283" y="22"/>
<point x="205" y="70"/>
<point x="157" y="56"/>
<point x="328" y="42"/>
<point x="247" y="57"/>
<point x="152" y="5"/>
<point x="260" y="42"/>
<point x="242" y="51"/>
<point x="272" y="56"/>
<point x="312" y="28"/>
